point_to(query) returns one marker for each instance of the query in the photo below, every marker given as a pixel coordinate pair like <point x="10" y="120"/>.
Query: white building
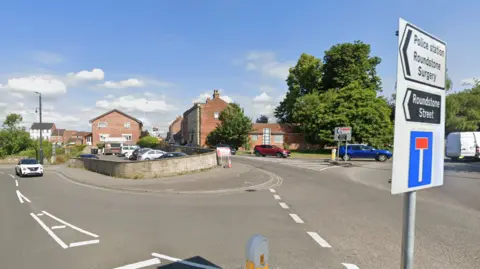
<point x="45" y="127"/>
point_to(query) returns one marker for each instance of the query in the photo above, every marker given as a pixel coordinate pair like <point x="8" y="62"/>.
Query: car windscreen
<point x="28" y="161"/>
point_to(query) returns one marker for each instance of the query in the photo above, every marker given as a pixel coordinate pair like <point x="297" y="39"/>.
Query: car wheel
<point x="257" y="153"/>
<point x="41" y="175"/>
<point x="279" y="155"/>
<point x="346" y="157"/>
<point x="382" y="158"/>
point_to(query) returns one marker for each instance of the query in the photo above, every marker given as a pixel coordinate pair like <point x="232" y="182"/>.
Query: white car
<point x="28" y="167"/>
<point x="151" y="155"/>
<point x="127" y="150"/>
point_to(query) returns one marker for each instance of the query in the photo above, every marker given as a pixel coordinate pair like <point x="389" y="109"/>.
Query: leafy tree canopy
<point x="13" y="138"/>
<point x="148" y="142"/>
<point x="262" y="119"/>
<point x="463" y="110"/>
<point x="233" y="129"/>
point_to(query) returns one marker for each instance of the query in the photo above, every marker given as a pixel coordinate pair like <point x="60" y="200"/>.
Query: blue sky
<point x="171" y="53"/>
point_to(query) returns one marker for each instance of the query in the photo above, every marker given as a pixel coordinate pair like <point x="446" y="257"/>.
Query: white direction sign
<point x="423" y="57"/>
<point x="342" y="134"/>
<point x="418" y="152"/>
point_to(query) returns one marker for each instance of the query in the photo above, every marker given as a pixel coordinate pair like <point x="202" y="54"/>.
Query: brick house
<point x="174" y="130"/>
<point x="201" y="119"/>
<point x="57" y="136"/>
<point x="115" y="125"/>
<point x="282" y="135"/>
<point x="77" y="137"/>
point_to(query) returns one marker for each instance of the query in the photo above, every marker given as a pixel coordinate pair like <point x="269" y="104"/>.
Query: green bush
<point x="148" y="142"/>
<point x="31" y="153"/>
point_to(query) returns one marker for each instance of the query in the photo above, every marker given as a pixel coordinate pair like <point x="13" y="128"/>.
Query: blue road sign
<point x="421" y="159"/>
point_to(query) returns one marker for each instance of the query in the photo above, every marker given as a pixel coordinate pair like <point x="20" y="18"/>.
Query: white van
<point x="463" y="145"/>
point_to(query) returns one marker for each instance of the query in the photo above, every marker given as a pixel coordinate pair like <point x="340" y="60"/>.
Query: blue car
<point x="364" y="152"/>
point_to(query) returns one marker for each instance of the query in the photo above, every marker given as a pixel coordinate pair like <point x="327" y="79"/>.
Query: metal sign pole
<point x="408" y="236"/>
<point x="346" y="150"/>
<point x="338" y="150"/>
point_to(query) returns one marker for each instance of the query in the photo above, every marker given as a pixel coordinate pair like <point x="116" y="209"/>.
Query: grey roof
<point x="42" y="126"/>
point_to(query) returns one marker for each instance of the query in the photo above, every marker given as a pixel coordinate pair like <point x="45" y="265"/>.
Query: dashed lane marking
<point x="277" y="197"/>
<point x="83" y="243"/>
<point x="141" y="264"/>
<point x="58" y="227"/>
<point x="284" y="205"/>
<point x="22" y="197"/>
<point x="11" y="175"/>
<point x="296" y="218"/>
<point x="319" y="239"/>
<point x="272" y="191"/>
<point x="350" y="266"/>
<point x="172" y="259"/>
<point x="16" y="183"/>
<point x="50" y="232"/>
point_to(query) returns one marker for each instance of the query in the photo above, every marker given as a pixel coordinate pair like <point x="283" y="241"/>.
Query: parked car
<point x="137" y="152"/>
<point x="232" y="150"/>
<point x="88" y="156"/>
<point x="463" y="145"/>
<point x="28" y="167"/>
<point x="150" y="155"/>
<point x="363" y="151"/>
<point x="127" y="150"/>
<point x="272" y="150"/>
<point x="172" y="155"/>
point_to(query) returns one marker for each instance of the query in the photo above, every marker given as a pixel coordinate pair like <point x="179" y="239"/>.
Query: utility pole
<point x="41" y="130"/>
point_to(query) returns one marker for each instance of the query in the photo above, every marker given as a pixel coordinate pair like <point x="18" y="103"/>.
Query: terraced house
<point x="116" y="126"/>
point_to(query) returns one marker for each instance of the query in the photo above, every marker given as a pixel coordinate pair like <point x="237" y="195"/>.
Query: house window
<point x="126" y="125"/>
<point x="102" y="124"/>
<point x="104" y="137"/>
<point x="254" y="137"/>
<point x="278" y="139"/>
<point x="266" y="136"/>
<point x="127" y="137"/>
<point x="216" y="115"/>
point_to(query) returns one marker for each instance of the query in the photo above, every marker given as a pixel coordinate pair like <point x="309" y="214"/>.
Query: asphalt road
<point x="319" y="217"/>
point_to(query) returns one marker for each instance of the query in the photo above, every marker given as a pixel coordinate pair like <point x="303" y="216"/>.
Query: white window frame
<point x="266" y="136"/>
<point x="254" y="137"/>
<point x="126" y="137"/>
<point x="101" y="125"/>
<point x="104" y="136"/>
<point x="127" y="125"/>
<point x="216" y="115"/>
<point x="275" y="138"/>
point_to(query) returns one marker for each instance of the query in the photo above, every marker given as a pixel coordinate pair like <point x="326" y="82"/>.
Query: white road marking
<point x="83" y="243"/>
<point x="272" y="191"/>
<point x="70" y="225"/>
<point x="16" y="183"/>
<point x="22" y="197"/>
<point x="319" y="239"/>
<point x="40" y="214"/>
<point x="58" y="227"/>
<point x="172" y="259"/>
<point x="140" y="264"/>
<point x="350" y="266"/>
<point x="11" y="175"/>
<point x="296" y="218"/>
<point x="284" y="206"/>
<point x="52" y="234"/>
<point x="277" y="197"/>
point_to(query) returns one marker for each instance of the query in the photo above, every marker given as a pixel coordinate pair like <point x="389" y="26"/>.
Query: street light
<point x="40" y="113"/>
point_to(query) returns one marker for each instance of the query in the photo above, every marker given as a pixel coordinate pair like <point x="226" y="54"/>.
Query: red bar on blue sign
<point x="421" y="143"/>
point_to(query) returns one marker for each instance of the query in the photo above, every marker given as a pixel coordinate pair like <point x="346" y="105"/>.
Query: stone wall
<point x="148" y="169"/>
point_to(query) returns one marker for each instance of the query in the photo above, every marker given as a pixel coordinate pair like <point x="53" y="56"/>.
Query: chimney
<point x="208" y="99"/>
<point x="216" y="94"/>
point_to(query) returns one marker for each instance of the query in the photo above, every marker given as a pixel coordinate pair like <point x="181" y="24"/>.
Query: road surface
<point x="319" y="217"/>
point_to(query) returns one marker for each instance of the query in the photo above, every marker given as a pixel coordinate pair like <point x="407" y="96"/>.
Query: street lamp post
<point x="40" y="113"/>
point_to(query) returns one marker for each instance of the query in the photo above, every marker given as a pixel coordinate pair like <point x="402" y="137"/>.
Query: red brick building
<point x="201" y="119"/>
<point x="57" y="136"/>
<point x="115" y="124"/>
<point x="279" y="134"/>
<point x="175" y="130"/>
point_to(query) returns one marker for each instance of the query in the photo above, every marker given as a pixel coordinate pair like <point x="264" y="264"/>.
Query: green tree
<point x="233" y="129"/>
<point x="12" y="121"/>
<point x="304" y="78"/>
<point x="13" y="138"/>
<point x="368" y="115"/>
<point x="262" y="119"/>
<point x="463" y="110"/>
<point x="346" y="63"/>
<point x="148" y="142"/>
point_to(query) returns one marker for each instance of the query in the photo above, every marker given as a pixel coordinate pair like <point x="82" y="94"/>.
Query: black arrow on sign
<point x="404" y="49"/>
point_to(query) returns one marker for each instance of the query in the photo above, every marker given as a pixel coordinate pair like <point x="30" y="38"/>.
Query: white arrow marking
<point x="172" y="259"/>
<point x="52" y="234"/>
<point x="405" y="104"/>
<point x="11" y="175"/>
<point x="350" y="266"/>
<point x="141" y="264"/>
<point x="22" y="197"/>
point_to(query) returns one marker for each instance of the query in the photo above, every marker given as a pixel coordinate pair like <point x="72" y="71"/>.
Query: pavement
<point x="315" y="216"/>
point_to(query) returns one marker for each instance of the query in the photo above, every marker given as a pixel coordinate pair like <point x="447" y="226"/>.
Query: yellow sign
<point x="262" y="260"/>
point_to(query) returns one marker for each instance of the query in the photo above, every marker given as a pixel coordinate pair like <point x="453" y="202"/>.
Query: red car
<point x="264" y="150"/>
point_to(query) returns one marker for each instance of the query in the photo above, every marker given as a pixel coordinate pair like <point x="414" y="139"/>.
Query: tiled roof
<point x="41" y="126"/>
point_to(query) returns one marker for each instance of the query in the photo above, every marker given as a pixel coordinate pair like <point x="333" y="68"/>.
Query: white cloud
<point x="46" y="85"/>
<point x="262" y="98"/>
<point x="133" y="104"/>
<point x="202" y="98"/>
<point x="95" y="74"/>
<point x="149" y="94"/>
<point x="110" y="96"/>
<point x="46" y="57"/>
<point x="18" y="95"/>
<point x="470" y="81"/>
<point x="122" y="84"/>
<point x="267" y="64"/>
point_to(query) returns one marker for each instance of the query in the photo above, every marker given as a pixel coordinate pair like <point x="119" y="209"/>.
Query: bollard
<point x="334" y="153"/>
<point x="257" y="252"/>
